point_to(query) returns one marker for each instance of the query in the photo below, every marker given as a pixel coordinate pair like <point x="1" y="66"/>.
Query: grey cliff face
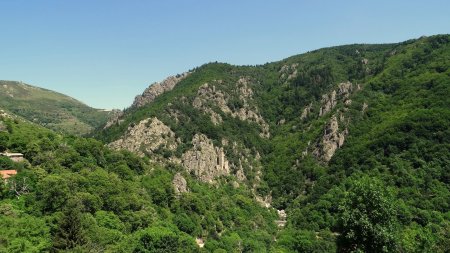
<point x="156" y="89"/>
<point x="147" y="136"/>
<point x="205" y="160"/>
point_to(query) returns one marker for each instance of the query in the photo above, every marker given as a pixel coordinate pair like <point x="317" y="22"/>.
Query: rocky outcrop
<point x="205" y="160"/>
<point x="209" y="97"/>
<point x="244" y="91"/>
<point x="4" y="114"/>
<point x="306" y="111"/>
<point x="146" y="137"/>
<point x="282" y="217"/>
<point x="156" y="89"/>
<point x="200" y="242"/>
<point x="332" y="140"/>
<point x="115" y="118"/>
<point x="246" y="114"/>
<point x="174" y="114"/>
<point x="344" y="92"/>
<point x="288" y="72"/>
<point x="179" y="184"/>
<point x="328" y="103"/>
<point x="265" y="201"/>
<point x="364" y="107"/>
<point x="345" y="89"/>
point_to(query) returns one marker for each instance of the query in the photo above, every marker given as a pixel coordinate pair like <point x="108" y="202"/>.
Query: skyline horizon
<point x="104" y="53"/>
<point x="149" y="84"/>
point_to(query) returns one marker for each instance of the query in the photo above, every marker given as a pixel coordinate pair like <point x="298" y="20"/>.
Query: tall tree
<point x="70" y="232"/>
<point x="368" y="218"/>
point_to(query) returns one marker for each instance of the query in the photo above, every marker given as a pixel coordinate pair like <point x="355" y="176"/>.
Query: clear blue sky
<point x="106" y="52"/>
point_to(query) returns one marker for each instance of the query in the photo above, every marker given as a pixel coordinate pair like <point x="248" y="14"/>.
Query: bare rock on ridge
<point x="156" y="89"/>
<point x="205" y="160"/>
<point x="332" y="140"/>
<point x="179" y="184"/>
<point x="147" y="136"/>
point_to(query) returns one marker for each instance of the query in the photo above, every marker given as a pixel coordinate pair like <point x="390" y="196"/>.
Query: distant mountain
<point x="50" y="109"/>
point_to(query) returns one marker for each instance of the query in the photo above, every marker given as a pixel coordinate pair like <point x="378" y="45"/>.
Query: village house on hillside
<point x="5" y="174"/>
<point x="16" y="157"/>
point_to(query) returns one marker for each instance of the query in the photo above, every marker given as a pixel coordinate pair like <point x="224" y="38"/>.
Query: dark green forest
<point x="385" y="189"/>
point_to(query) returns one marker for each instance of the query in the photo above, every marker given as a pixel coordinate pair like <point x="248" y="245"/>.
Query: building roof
<point x="7" y="173"/>
<point x="11" y="154"/>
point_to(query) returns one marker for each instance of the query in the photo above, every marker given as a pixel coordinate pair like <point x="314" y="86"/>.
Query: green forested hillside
<point x="352" y="142"/>
<point x="53" y="110"/>
<point x="73" y="194"/>
<point x="394" y="120"/>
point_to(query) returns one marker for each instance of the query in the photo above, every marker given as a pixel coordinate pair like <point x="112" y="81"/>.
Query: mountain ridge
<point x="49" y="108"/>
<point x="311" y="104"/>
<point x="343" y="149"/>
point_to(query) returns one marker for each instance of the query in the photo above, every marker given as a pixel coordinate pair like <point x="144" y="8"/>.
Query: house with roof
<point x="16" y="157"/>
<point x="6" y="174"/>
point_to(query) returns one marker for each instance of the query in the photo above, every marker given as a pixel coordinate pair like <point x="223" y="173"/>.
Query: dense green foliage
<point x="53" y="110"/>
<point x="385" y="190"/>
<point x="75" y="194"/>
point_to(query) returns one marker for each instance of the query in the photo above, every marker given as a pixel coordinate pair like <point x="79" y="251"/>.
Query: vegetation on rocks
<point x="351" y="141"/>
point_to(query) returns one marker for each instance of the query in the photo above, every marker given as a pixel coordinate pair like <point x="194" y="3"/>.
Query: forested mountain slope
<point x="305" y="132"/>
<point x="352" y="142"/>
<point x="50" y="109"/>
<point x="74" y="194"/>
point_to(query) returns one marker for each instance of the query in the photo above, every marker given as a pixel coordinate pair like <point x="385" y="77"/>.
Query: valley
<point x="341" y="149"/>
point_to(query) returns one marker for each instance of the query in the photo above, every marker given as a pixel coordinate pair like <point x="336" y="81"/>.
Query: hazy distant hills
<point x="50" y="109"/>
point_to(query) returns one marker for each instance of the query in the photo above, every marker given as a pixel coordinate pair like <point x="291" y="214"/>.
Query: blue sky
<point x="104" y="52"/>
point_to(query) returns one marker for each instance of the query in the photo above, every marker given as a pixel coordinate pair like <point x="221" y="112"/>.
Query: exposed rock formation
<point x="147" y="136"/>
<point x="306" y="111"/>
<point x="4" y="114"/>
<point x="209" y="96"/>
<point x="364" y="107"/>
<point x="263" y="201"/>
<point x="200" y="242"/>
<point x="331" y="140"/>
<point x="345" y="89"/>
<point x="156" y="89"/>
<point x="115" y="118"/>
<point x="344" y="92"/>
<point x="174" y="114"/>
<point x="246" y="114"/>
<point x="289" y="72"/>
<point x="330" y="100"/>
<point x="282" y="216"/>
<point x="244" y="90"/>
<point x="205" y="160"/>
<point x="328" y="103"/>
<point x="179" y="184"/>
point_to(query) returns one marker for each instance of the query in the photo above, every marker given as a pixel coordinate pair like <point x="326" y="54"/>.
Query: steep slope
<point x="73" y="194"/>
<point x="302" y="131"/>
<point x="50" y="109"/>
